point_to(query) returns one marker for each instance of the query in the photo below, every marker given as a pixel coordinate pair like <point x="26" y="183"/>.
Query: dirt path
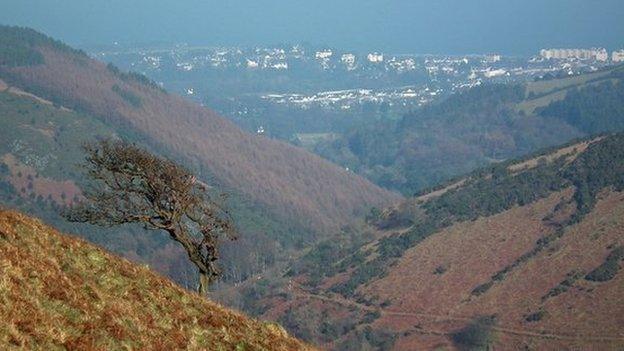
<point x="301" y="292"/>
<point x="19" y="92"/>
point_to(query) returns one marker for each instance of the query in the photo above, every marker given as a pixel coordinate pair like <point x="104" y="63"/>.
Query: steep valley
<point x="497" y="242"/>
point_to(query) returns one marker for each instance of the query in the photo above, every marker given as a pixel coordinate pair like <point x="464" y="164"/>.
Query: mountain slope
<point x="526" y="254"/>
<point x="296" y="185"/>
<point x="60" y="292"/>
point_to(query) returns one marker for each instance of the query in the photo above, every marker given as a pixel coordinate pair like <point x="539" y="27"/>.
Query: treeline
<point x="483" y="99"/>
<point x="133" y="76"/>
<point x="592" y="109"/>
<point x="18" y="46"/>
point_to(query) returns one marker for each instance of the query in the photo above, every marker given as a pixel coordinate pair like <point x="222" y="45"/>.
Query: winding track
<point x="301" y="292"/>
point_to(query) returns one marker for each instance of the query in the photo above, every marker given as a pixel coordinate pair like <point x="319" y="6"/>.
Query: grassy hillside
<point x="295" y="185"/>
<point x="58" y="292"/>
<point x="526" y="254"/>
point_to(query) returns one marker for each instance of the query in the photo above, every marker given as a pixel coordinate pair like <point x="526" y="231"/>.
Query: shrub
<point x="370" y="317"/>
<point x="475" y="336"/>
<point x="440" y="270"/>
<point x="535" y="317"/>
<point x="482" y="289"/>
<point x="566" y="284"/>
<point x="609" y="268"/>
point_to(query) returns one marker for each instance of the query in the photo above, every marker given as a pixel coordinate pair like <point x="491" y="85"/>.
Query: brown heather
<point x="426" y="296"/>
<point x="295" y="184"/>
<point x="58" y="292"/>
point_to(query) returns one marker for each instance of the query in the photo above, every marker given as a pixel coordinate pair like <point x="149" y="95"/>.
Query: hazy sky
<point x="400" y="26"/>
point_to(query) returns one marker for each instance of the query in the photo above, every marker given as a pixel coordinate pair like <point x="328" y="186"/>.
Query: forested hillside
<point x="593" y="109"/>
<point x="485" y="124"/>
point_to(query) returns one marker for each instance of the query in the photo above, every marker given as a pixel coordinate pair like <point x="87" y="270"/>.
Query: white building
<point x="252" y="64"/>
<point x="602" y="55"/>
<point x="493" y="58"/>
<point x="349" y="61"/>
<point x="297" y="51"/>
<point x="280" y="65"/>
<point x="325" y="54"/>
<point x="617" y="56"/>
<point x="375" y="57"/>
<point x="402" y="64"/>
<point x="494" y="73"/>
<point x="599" y="54"/>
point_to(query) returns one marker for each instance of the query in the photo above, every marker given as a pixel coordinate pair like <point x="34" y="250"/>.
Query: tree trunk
<point x="204" y="281"/>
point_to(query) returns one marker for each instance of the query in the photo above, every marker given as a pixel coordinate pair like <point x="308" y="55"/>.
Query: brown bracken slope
<point x="477" y="269"/>
<point x="585" y="315"/>
<point x="297" y="185"/>
<point x="58" y="292"/>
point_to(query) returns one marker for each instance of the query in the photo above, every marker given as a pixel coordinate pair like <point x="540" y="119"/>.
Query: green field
<point x="549" y="86"/>
<point x="309" y="140"/>
<point x="542" y="93"/>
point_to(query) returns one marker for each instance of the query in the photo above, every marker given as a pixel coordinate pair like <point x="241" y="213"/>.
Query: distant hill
<point x="483" y="125"/>
<point x="525" y="254"/>
<point x="59" y="292"/>
<point x="295" y="186"/>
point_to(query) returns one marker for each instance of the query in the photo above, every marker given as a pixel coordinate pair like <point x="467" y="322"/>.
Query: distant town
<point x="244" y="83"/>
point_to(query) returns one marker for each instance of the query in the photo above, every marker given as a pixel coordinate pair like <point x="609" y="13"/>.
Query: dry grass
<point x="58" y="292"/>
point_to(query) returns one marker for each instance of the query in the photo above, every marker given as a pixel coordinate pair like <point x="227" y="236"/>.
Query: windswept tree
<point x="130" y="185"/>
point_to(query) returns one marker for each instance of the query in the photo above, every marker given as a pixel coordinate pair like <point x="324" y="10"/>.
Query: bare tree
<point x="133" y="186"/>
